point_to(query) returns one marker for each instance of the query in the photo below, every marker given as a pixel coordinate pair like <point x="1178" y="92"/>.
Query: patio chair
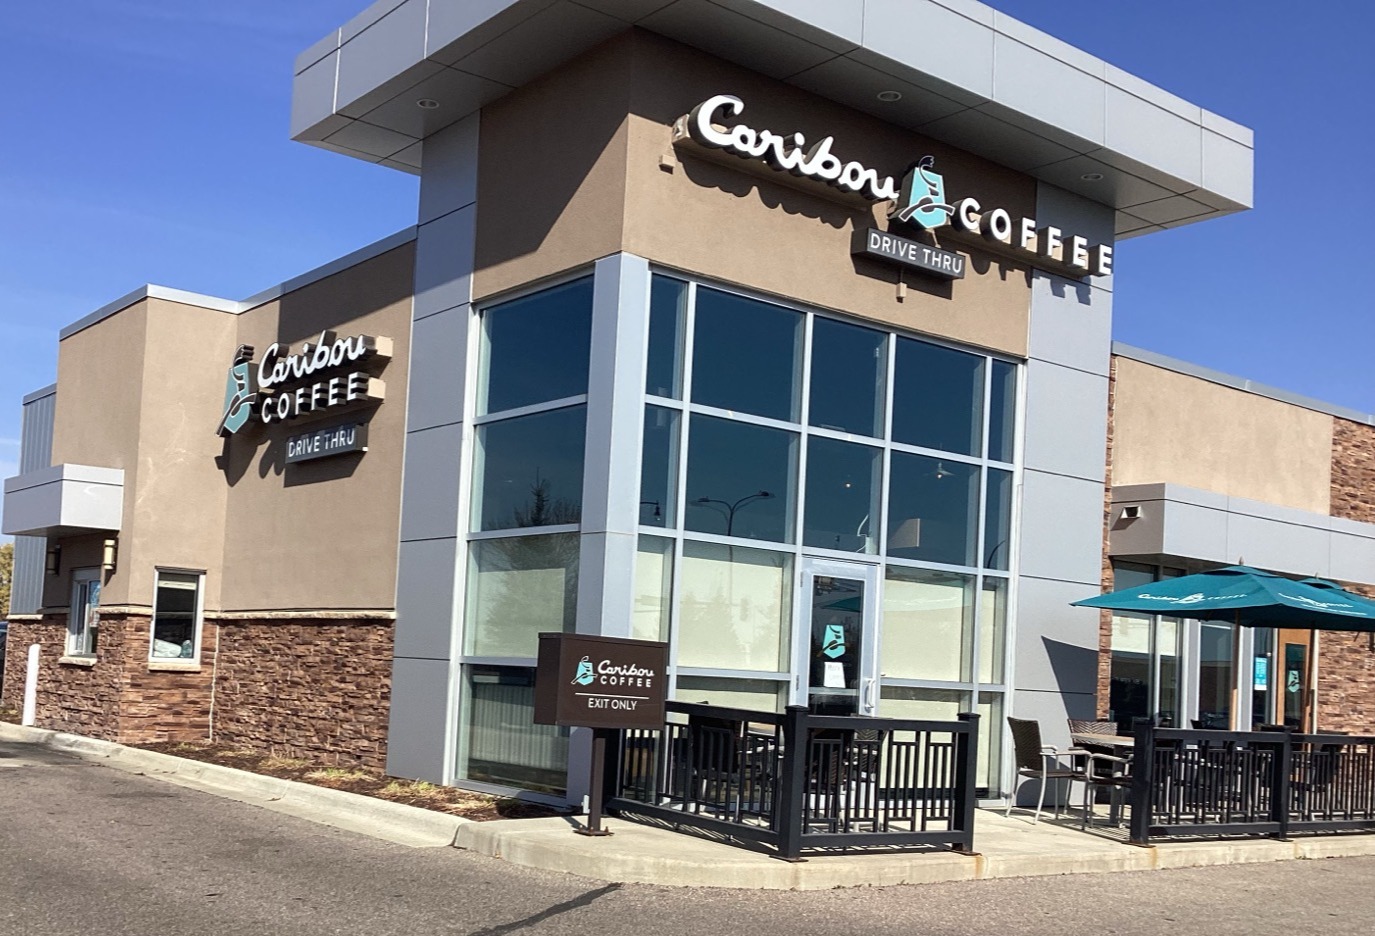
<point x="1037" y="761"/>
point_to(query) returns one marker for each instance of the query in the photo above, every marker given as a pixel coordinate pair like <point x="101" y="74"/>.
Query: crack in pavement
<point x="582" y="900"/>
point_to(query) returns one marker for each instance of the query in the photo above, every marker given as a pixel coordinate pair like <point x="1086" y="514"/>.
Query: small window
<point x="176" y="617"/>
<point x="83" y="623"/>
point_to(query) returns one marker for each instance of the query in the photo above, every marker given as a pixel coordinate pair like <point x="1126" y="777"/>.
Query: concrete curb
<point x="644" y="854"/>
<point x="393" y="822"/>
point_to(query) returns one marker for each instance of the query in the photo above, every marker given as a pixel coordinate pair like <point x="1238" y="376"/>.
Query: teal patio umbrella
<point x="1246" y="596"/>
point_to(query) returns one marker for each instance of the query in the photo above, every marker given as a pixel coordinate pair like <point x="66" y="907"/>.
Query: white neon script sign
<point x="785" y="152"/>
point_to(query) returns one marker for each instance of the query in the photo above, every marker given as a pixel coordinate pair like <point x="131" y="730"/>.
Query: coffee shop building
<point x="746" y="325"/>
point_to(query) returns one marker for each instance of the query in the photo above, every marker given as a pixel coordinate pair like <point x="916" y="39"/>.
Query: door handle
<point x="869" y="686"/>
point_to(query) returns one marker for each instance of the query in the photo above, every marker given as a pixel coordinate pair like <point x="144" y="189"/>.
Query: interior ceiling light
<point x="888" y="97"/>
<point x="1092" y="177"/>
<point x="427" y="103"/>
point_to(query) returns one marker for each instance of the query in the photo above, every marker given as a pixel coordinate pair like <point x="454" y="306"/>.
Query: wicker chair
<point x="1037" y="761"/>
<point x="1102" y="766"/>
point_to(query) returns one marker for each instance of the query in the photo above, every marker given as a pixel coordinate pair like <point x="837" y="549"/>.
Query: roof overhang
<point x="1155" y="521"/>
<point x="968" y="75"/>
<point x="64" y="500"/>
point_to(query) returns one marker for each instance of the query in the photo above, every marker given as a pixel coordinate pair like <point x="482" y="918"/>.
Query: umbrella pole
<point x="1236" y="669"/>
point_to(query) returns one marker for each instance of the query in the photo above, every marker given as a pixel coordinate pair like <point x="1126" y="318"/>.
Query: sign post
<point x="603" y="683"/>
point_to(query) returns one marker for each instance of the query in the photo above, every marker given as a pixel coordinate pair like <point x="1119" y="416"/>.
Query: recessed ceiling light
<point x="427" y="103"/>
<point x="888" y="97"/>
<point x="1092" y="177"/>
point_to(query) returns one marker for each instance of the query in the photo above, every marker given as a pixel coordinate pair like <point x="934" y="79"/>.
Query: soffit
<point x="968" y="75"/>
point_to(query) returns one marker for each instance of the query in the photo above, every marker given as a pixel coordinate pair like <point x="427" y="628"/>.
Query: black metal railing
<point x="1215" y="783"/>
<point x="794" y="781"/>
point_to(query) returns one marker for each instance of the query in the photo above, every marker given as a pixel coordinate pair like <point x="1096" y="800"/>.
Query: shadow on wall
<point x="342" y="303"/>
<point x="1076" y="675"/>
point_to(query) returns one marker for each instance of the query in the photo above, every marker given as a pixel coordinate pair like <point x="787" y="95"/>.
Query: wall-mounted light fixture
<point x="109" y="554"/>
<point x="53" y="565"/>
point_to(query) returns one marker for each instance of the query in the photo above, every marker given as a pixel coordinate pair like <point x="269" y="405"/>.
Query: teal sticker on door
<point x="833" y="643"/>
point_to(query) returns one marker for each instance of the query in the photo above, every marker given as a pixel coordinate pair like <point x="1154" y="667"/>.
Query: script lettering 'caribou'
<point x="785" y="152"/>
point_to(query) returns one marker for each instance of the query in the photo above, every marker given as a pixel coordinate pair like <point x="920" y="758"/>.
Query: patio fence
<point x="795" y="782"/>
<point x="1216" y="783"/>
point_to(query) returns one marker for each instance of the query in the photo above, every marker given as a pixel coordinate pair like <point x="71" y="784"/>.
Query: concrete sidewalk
<point x="1008" y="847"/>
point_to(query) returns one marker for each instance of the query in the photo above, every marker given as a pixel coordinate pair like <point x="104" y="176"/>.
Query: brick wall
<point x="1346" y="662"/>
<point x="319" y="690"/>
<point x="1105" y="617"/>
<point x="314" y="690"/>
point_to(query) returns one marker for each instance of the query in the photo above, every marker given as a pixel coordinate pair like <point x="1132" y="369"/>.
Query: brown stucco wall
<point x="322" y="534"/>
<point x="570" y="170"/>
<point x="1192" y="432"/>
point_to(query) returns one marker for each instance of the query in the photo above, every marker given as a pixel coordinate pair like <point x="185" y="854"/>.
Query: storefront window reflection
<point x="933" y="510"/>
<point x="938" y="398"/>
<point x="667" y="321"/>
<point x="849" y="377"/>
<point x="530" y="470"/>
<point x="746" y="355"/>
<point x="535" y="349"/>
<point x="741" y="479"/>
<point x="518" y="588"/>
<point x="843" y="484"/>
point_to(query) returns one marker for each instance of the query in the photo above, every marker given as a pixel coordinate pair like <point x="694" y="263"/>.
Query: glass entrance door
<point x="839" y="615"/>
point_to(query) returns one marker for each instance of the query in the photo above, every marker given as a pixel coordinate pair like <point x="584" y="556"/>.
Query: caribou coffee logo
<point x="239" y="393"/>
<point x="833" y="642"/>
<point x="324" y="376"/>
<point x="920" y="199"/>
<point x="923" y="197"/>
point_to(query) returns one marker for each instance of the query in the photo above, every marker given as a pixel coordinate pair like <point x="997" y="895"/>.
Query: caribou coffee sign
<point x="918" y="200"/>
<point x="328" y="376"/>
<point x="600" y="682"/>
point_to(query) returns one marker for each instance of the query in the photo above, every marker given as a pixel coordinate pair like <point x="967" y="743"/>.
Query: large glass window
<point x="667" y="321"/>
<point x="843" y="484"/>
<point x="928" y="625"/>
<point x="816" y="437"/>
<point x="849" y="377"/>
<point x="746" y="355"/>
<point x="502" y="744"/>
<point x="741" y="479"/>
<point x="938" y="397"/>
<point x="933" y="510"/>
<point x="734" y="610"/>
<point x="176" y="616"/>
<point x="1215" y="675"/>
<point x="998" y="520"/>
<point x="1143" y="678"/>
<point x="1002" y="411"/>
<point x="653" y="588"/>
<point x="659" y="468"/>
<point x="535" y="348"/>
<point x="530" y="470"/>
<point x="518" y="588"/>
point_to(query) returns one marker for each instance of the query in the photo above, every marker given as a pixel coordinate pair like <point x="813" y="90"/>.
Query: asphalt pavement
<point x="86" y="849"/>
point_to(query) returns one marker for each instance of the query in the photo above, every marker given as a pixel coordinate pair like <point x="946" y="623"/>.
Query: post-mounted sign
<point x="600" y="682"/>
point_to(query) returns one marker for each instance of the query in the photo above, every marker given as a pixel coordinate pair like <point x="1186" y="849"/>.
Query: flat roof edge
<point x="49" y="390"/>
<point x="230" y="306"/>
<point x="1178" y="366"/>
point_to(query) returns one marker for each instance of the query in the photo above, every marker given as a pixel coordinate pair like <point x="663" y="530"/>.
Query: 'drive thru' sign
<point x="600" y="682"/>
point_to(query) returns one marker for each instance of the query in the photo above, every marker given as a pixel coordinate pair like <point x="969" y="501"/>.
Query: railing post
<point x="792" y="787"/>
<point x="1143" y="780"/>
<point x="1280" y="794"/>
<point x="966" y="770"/>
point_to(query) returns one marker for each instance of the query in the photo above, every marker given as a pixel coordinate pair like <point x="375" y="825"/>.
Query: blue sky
<point x="146" y="141"/>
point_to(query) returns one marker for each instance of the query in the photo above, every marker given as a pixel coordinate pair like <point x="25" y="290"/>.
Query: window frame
<point x="198" y="618"/>
<point x="79" y="634"/>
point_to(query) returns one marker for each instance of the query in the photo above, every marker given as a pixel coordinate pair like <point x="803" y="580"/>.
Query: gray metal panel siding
<point x="26" y="589"/>
<point x="36" y="436"/>
<point x="35" y="452"/>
